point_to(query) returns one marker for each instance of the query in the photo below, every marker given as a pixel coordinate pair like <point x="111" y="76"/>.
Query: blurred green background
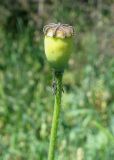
<point x="86" y="130"/>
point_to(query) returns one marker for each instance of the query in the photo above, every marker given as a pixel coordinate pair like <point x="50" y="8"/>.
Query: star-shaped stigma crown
<point x="58" y="30"/>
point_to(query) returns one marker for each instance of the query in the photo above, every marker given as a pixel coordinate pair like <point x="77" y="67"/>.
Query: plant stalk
<point x="56" y="115"/>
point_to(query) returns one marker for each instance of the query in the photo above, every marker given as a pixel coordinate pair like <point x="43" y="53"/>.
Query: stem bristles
<point x="56" y="114"/>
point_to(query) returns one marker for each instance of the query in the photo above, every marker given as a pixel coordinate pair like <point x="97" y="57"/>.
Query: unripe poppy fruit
<point x="58" y="44"/>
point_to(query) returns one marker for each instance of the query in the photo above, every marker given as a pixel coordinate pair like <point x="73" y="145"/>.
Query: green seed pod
<point x="58" y="44"/>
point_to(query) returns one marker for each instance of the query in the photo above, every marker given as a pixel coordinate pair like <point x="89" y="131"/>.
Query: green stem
<point x="55" y="121"/>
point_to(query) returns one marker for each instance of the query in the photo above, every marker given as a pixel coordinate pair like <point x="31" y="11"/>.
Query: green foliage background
<point x="86" y="130"/>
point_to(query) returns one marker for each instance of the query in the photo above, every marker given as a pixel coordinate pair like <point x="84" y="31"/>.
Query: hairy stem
<point x="56" y="114"/>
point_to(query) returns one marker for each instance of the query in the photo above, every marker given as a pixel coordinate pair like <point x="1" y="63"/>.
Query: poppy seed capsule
<point x="58" y="44"/>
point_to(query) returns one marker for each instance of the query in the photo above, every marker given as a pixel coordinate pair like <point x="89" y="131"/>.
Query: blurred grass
<point x="26" y="101"/>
